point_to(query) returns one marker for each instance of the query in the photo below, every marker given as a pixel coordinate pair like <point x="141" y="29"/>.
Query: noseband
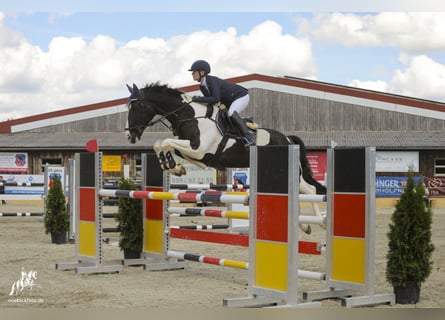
<point x="153" y="108"/>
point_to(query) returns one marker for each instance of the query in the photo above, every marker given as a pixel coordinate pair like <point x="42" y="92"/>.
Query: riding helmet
<point x="200" y="65"/>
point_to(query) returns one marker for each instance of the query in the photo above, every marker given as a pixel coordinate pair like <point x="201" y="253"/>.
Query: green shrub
<point x="410" y="246"/>
<point x="129" y="218"/>
<point x="56" y="217"/>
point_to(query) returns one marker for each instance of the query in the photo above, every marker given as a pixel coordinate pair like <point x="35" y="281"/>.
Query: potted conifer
<point x="129" y="219"/>
<point x="409" y="258"/>
<point x="56" y="217"/>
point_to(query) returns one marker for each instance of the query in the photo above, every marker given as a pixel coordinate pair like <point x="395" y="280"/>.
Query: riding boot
<point x="249" y="138"/>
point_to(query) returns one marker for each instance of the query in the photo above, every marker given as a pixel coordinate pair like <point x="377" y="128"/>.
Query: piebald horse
<point x="198" y="137"/>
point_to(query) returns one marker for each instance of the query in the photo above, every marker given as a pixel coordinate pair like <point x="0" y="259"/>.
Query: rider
<point x="214" y="89"/>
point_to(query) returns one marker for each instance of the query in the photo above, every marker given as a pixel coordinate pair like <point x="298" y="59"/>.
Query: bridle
<point x="152" y="107"/>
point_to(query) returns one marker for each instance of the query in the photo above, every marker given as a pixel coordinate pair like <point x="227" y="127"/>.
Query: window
<point x="439" y="167"/>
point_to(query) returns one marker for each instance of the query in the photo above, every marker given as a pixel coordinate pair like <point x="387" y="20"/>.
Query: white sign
<point x="13" y="162"/>
<point x="52" y="171"/>
<point x="397" y="161"/>
<point x="195" y="175"/>
<point x="240" y="176"/>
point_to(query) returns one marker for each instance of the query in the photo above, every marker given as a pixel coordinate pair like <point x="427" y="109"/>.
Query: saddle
<point x="225" y="126"/>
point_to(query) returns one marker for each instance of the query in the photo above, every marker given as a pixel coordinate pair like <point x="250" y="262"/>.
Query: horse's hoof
<point x="178" y="171"/>
<point x="308" y="230"/>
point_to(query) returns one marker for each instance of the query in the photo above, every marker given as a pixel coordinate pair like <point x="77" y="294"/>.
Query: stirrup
<point x="248" y="143"/>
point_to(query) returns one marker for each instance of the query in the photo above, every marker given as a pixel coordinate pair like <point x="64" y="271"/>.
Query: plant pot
<point x="130" y="254"/>
<point x="58" y="237"/>
<point x="408" y="293"/>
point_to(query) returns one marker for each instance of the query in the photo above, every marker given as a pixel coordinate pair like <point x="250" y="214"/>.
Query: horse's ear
<point x="135" y="88"/>
<point x="130" y="89"/>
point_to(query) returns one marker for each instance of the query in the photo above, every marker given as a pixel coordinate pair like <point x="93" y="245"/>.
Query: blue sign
<point x="386" y="186"/>
<point x="240" y="177"/>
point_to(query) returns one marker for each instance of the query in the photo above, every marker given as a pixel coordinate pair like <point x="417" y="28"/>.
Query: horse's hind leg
<point x="306" y="188"/>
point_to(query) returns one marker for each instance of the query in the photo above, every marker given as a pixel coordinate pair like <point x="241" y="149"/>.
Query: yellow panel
<point x="153" y="236"/>
<point x="348" y="260"/>
<point x="271" y="265"/>
<point x="87" y="238"/>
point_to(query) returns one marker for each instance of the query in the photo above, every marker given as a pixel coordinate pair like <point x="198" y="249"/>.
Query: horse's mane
<point x="157" y="88"/>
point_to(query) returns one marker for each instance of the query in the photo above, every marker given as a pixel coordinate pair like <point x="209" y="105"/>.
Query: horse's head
<point x="139" y="114"/>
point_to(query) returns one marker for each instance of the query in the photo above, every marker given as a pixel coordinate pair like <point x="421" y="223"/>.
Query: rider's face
<point x="196" y="75"/>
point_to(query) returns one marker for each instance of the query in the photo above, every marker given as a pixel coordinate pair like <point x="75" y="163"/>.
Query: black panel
<point x="153" y="172"/>
<point x="273" y="169"/>
<point x="87" y="169"/>
<point x="349" y="170"/>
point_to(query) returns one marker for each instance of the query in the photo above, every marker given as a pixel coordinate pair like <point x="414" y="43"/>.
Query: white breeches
<point x="239" y="105"/>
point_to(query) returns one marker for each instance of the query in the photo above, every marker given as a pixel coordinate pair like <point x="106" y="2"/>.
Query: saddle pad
<point x="262" y="137"/>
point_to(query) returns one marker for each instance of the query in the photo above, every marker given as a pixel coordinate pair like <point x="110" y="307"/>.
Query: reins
<point x="163" y="117"/>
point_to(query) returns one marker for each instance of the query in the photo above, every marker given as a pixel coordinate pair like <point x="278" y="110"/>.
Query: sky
<point x="56" y="55"/>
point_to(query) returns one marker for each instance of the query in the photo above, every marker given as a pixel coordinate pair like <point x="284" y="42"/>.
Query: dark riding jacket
<point x="220" y="91"/>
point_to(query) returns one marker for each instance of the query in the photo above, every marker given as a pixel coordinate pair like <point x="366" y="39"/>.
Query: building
<point x="319" y="113"/>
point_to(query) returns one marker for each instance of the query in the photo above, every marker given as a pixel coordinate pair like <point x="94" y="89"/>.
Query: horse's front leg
<point x="166" y="160"/>
<point x="161" y="155"/>
<point x="168" y="146"/>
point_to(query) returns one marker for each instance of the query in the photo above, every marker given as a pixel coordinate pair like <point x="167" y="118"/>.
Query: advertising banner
<point x="435" y="186"/>
<point x="14" y="162"/>
<point x="21" y="184"/>
<point x="111" y="163"/>
<point x="396" y="161"/>
<point x="391" y="186"/>
<point x="318" y="164"/>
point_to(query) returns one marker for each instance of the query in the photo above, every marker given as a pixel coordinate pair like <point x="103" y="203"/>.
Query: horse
<point x="199" y="136"/>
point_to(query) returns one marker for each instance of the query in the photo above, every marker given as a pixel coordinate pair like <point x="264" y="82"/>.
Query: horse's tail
<point x="305" y="168"/>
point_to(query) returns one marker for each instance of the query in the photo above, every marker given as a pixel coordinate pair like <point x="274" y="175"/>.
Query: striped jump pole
<point x="208" y="212"/>
<point x="202" y="227"/>
<point x="195" y="197"/>
<point x="21" y="214"/>
<point x="88" y="216"/>
<point x="235" y="264"/>
<point x="305" y="247"/>
<point x="213" y="186"/>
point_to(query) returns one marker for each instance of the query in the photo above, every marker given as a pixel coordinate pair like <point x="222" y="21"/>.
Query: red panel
<point x="349" y="215"/>
<point x="309" y="247"/>
<point x="272" y="217"/>
<point x="210" y="236"/>
<point x="87" y="204"/>
<point x="154" y="208"/>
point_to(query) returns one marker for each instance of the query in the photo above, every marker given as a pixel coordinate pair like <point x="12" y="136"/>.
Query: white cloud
<point x="73" y="71"/>
<point x="422" y="77"/>
<point x="415" y="32"/>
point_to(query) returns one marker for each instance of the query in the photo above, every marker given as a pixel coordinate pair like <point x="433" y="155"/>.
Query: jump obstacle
<point x="274" y="217"/>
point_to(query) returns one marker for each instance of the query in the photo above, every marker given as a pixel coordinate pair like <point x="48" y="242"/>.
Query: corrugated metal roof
<point x="313" y="140"/>
<point x="378" y="139"/>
